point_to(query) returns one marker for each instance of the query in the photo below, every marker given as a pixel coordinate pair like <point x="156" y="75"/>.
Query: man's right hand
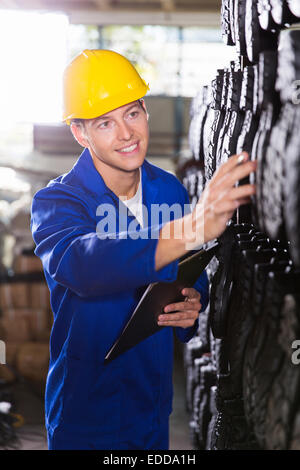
<point x="220" y="198"/>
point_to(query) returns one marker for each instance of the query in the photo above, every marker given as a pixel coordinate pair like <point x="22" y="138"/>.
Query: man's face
<point x="118" y="139"/>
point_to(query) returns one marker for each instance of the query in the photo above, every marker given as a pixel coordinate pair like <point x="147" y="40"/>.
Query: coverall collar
<point x="94" y="184"/>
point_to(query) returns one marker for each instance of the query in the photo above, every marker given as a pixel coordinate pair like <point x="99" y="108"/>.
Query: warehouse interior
<point x="224" y="76"/>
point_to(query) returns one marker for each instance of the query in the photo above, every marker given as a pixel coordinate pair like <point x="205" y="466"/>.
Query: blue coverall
<point x="95" y="285"/>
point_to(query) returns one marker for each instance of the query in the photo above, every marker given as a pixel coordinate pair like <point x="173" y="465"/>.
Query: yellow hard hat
<point x="98" y="81"/>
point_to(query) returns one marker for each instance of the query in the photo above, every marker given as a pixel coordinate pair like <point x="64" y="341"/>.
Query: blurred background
<point x="175" y="45"/>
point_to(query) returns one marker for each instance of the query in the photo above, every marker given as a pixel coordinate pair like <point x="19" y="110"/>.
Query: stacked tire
<point x="242" y="385"/>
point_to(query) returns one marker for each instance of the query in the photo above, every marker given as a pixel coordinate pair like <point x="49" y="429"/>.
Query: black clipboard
<point x="143" y="321"/>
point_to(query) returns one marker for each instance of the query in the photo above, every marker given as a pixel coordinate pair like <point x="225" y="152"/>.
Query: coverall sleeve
<point x="74" y="256"/>
<point x="202" y="286"/>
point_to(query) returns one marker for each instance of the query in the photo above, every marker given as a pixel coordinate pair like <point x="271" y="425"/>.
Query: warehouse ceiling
<point x="128" y="12"/>
<point x="71" y="6"/>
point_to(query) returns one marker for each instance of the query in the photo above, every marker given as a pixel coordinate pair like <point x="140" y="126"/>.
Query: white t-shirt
<point x="134" y="204"/>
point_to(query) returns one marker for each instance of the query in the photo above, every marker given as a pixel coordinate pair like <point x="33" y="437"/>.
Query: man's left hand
<point x="187" y="312"/>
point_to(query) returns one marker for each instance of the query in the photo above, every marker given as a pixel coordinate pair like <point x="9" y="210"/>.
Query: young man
<point x="97" y="267"/>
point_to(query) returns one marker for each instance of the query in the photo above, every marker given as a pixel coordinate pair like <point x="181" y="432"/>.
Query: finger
<point x="239" y="172"/>
<point x="179" y="307"/>
<point x="189" y="314"/>
<point x="242" y="191"/>
<point x="193" y="302"/>
<point x="246" y="200"/>
<point x="223" y="192"/>
<point x="229" y="203"/>
<point x="182" y="323"/>
<point x="191" y="293"/>
<point x="224" y="207"/>
<point x="231" y="163"/>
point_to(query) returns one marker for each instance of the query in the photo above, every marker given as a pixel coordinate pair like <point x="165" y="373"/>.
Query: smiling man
<point x="118" y="143"/>
<point x="96" y="278"/>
